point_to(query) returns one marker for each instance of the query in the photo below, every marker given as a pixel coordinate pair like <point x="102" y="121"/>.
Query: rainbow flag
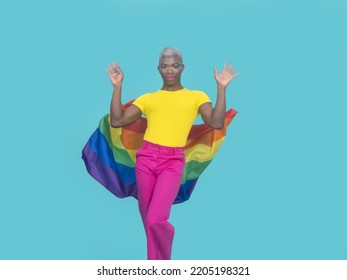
<point x="109" y="154"/>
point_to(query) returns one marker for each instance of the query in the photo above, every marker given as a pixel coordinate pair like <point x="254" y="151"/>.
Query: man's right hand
<point x="115" y="74"/>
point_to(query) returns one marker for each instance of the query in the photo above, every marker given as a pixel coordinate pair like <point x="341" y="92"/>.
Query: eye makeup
<point x="175" y="66"/>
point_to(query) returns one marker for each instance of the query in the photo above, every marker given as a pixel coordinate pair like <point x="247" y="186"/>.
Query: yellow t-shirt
<point x="170" y="115"/>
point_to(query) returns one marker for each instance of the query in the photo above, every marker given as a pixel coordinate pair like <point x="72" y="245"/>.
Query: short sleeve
<point x="141" y="103"/>
<point x="202" y="98"/>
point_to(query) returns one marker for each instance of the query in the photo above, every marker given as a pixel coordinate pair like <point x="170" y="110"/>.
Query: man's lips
<point x="170" y="78"/>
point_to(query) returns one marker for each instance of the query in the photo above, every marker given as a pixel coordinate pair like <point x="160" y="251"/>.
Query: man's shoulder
<point x="198" y="94"/>
<point x="146" y="94"/>
<point x="149" y="93"/>
<point x="195" y="91"/>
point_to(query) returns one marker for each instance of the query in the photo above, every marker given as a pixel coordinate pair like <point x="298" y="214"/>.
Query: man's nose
<point x="169" y="69"/>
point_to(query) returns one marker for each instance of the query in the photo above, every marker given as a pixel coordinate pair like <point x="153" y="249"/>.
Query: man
<point x="171" y="112"/>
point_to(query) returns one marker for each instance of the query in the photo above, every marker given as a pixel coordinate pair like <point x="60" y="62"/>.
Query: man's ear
<point x="182" y="67"/>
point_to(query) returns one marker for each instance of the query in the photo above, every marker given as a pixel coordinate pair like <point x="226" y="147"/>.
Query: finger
<point x="110" y="68"/>
<point x="224" y="67"/>
<point x="215" y="71"/>
<point x="230" y="68"/>
<point x="114" y="68"/>
<point x="235" y="75"/>
<point x="118" y="68"/>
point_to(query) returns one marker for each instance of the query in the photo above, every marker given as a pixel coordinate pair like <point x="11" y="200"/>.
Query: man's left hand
<point x="225" y="77"/>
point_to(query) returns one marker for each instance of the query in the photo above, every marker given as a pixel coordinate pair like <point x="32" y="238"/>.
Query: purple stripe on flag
<point x="106" y="175"/>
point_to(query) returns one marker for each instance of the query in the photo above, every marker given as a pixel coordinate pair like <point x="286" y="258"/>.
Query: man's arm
<point x="118" y="116"/>
<point x="214" y="117"/>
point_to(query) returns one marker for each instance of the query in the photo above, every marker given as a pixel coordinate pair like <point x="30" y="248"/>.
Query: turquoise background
<point x="277" y="188"/>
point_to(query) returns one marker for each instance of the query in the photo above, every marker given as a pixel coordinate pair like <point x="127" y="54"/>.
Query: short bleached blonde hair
<point x="170" y="51"/>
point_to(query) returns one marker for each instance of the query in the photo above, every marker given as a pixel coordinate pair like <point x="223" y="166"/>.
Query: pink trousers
<point x="159" y="172"/>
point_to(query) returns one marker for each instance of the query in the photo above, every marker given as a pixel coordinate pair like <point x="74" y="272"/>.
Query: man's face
<point x="170" y="69"/>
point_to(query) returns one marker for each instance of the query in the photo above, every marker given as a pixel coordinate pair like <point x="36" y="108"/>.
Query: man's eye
<point x="163" y="66"/>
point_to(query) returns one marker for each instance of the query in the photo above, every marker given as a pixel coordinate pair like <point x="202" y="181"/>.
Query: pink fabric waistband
<point x="157" y="146"/>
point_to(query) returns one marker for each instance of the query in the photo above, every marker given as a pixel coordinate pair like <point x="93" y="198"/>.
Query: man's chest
<point x="172" y="103"/>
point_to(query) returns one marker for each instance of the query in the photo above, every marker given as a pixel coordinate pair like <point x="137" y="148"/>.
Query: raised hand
<point x="225" y="77"/>
<point x="115" y="74"/>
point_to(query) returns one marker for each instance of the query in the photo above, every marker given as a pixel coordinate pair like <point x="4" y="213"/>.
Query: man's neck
<point x="172" y="88"/>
